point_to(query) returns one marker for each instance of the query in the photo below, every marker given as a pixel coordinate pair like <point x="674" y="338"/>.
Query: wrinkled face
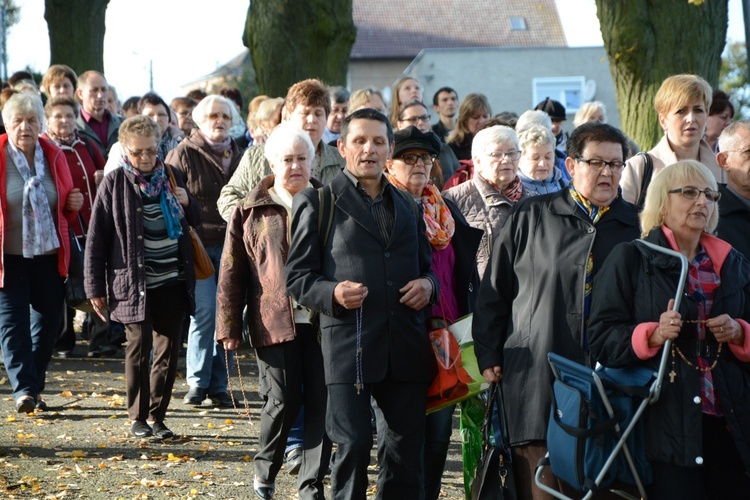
<point x="338" y="113"/>
<point x="447" y="104"/>
<point x="417" y="116"/>
<point x="159" y="114"/>
<point x="496" y="164"/>
<point x="537" y="162"/>
<point x="93" y="95"/>
<point x="61" y="86"/>
<point x="311" y="119"/>
<point x="597" y="186"/>
<point x="684" y="216"/>
<point x="410" y="90"/>
<point x="141" y="151"/>
<point x="366" y="149"/>
<point x="476" y="120"/>
<point x="292" y="168"/>
<point x="414" y="177"/>
<point x="715" y="124"/>
<point x="24" y="130"/>
<point x="62" y="121"/>
<point x="736" y="163"/>
<point x="685" y="126"/>
<point x="185" y="119"/>
<point x="218" y="121"/>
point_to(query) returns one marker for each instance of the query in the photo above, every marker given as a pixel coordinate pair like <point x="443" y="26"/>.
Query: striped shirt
<point x="381" y="207"/>
<point x="162" y="254"/>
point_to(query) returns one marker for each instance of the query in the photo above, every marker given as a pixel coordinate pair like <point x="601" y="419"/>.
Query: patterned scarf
<point x="437" y="216"/>
<point x="595" y="214"/>
<point x="158" y="187"/>
<point x="39" y="234"/>
<point x="513" y="191"/>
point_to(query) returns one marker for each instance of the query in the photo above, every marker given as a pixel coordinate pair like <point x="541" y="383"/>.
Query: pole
<point x="746" y="21"/>
<point x="151" y="74"/>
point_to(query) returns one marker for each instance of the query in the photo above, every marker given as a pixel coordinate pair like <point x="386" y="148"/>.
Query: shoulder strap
<point x="88" y="146"/>
<point x="327" y="201"/>
<point x="648" y="172"/>
<point x="410" y="201"/>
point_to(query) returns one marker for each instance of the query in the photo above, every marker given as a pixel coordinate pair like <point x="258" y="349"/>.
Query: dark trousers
<point x="283" y="369"/>
<point x="437" y="440"/>
<point x="400" y="414"/>
<point x="31" y="309"/>
<point x="149" y="384"/>
<point x="722" y="475"/>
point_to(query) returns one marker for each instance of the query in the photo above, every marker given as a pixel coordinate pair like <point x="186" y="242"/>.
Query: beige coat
<point x="662" y="156"/>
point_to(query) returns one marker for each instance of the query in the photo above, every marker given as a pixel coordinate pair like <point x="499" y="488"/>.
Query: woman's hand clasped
<point x="725" y="329"/>
<point x="670" y="323"/>
<point x="230" y="344"/>
<point x="74" y="201"/>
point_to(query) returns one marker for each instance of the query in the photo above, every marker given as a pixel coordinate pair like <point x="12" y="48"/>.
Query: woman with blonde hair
<point x="474" y="110"/>
<point x="696" y="433"/>
<point x="682" y="103"/>
<point x="590" y="111"/>
<point x="406" y="89"/>
<point x="368" y="97"/>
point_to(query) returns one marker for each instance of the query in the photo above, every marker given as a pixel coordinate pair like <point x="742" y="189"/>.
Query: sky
<point x="186" y="39"/>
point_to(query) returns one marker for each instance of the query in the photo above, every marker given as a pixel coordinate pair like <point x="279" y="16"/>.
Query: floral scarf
<point x="39" y="233"/>
<point x="158" y="187"/>
<point x="437" y="216"/>
<point x="513" y="192"/>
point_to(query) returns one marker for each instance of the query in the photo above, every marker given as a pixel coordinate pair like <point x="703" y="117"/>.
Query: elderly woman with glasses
<point x="488" y="197"/>
<point x="414" y="113"/>
<point x="696" y="434"/>
<point x="454" y="245"/>
<point x="139" y="265"/>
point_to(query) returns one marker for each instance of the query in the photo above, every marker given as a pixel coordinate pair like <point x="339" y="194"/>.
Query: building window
<point x="518" y="24"/>
<point x="568" y="90"/>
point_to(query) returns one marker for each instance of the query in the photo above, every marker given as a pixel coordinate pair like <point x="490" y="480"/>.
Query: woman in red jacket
<point x="36" y="200"/>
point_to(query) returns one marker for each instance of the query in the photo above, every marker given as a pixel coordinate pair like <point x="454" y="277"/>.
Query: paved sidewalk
<point x="81" y="448"/>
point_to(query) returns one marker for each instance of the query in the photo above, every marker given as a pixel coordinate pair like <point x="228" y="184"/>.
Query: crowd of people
<point x="341" y="226"/>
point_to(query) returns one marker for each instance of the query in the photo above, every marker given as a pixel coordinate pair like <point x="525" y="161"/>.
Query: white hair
<point x="499" y="134"/>
<point x="284" y="136"/>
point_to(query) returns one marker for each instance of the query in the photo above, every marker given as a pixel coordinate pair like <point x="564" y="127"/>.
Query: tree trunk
<point x="291" y="40"/>
<point x="76" y="33"/>
<point x="647" y="41"/>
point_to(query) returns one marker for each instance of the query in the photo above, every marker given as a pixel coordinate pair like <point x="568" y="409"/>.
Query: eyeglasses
<point x="417" y="119"/>
<point x="411" y="159"/>
<point x="149" y="153"/>
<point x="692" y="193"/>
<point x="743" y="152"/>
<point x="614" y="165"/>
<point x="511" y="155"/>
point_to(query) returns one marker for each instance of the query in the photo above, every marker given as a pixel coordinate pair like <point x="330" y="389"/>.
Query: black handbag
<point x="494" y="476"/>
<point x="75" y="294"/>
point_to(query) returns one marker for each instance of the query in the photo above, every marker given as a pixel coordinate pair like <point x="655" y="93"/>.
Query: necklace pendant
<point x="227" y="153"/>
<point x="672" y="375"/>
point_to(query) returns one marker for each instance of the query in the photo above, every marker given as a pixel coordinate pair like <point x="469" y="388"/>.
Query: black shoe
<point x="41" y="405"/>
<point x="64" y="354"/>
<point x="25" y="404"/>
<point x="221" y="399"/>
<point x="162" y="431"/>
<point x="195" y="396"/>
<point x="294" y="461"/>
<point x="264" y="491"/>
<point x="104" y="351"/>
<point x="140" y="429"/>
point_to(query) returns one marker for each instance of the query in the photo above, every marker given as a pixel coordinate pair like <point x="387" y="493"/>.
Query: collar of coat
<point x="561" y="203"/>
<point x="718" y="250"/>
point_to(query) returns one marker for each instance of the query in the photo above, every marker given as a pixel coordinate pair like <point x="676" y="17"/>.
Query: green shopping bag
<point x="471" y="418"/>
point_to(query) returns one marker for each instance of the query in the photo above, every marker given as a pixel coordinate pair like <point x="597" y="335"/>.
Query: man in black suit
<point x="734" y="205"/>
<point x="370" y="278"/>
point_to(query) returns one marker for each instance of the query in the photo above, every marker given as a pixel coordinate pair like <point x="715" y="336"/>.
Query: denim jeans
<point x="205" y="357"/>
<point x="31" y="312"/>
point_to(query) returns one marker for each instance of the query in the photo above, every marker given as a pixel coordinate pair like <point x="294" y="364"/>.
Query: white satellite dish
<point x="589" y="90"/>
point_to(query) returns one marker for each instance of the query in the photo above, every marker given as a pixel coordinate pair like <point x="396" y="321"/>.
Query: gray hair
<point x="728" y="138"/>
<point x="23" y="103"/>
<point x="200" y="112"/>
<point x="533" y="117"/>
<point x="284" y="136"/>
<point x="536" y="135"/>
<point x="499" y="134"/>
